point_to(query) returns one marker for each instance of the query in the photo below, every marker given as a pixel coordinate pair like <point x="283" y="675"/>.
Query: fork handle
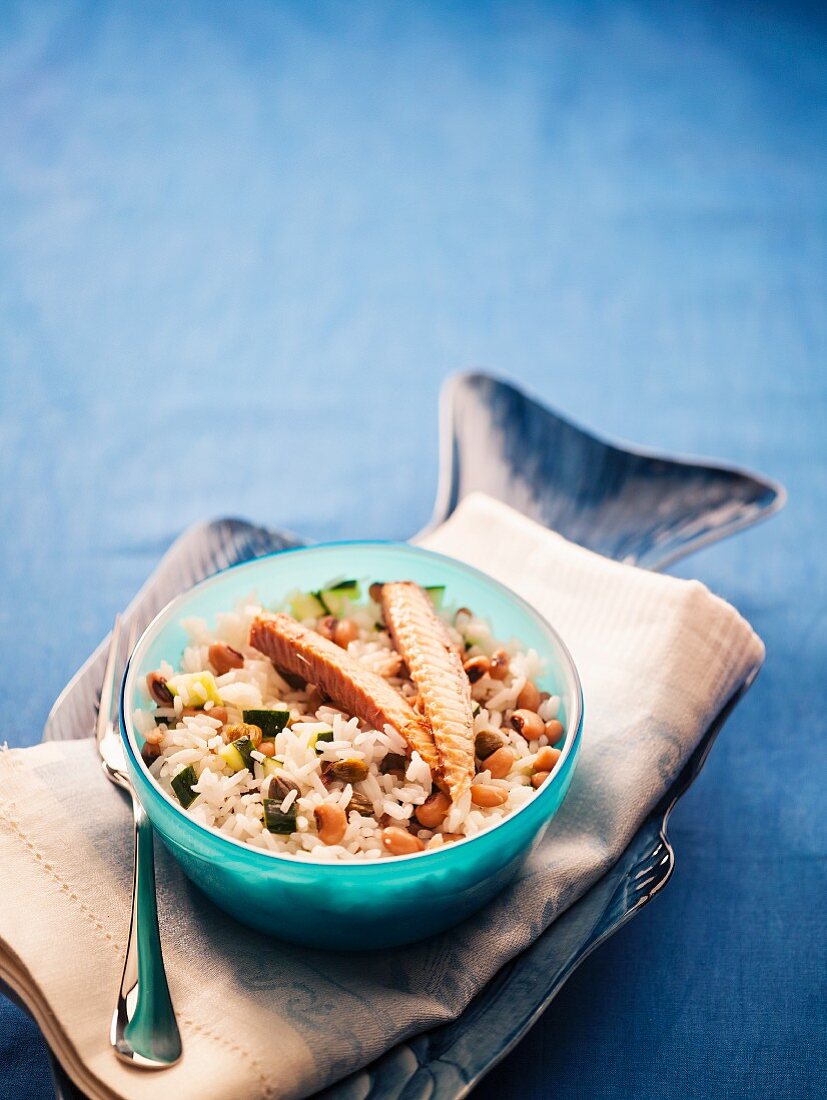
<point x="144" y="1029"/>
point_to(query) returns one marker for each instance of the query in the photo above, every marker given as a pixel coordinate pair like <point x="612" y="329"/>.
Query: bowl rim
<point x="127" y="731"/>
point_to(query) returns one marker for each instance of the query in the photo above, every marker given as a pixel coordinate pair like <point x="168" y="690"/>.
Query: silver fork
<point x="144" y="1030"/>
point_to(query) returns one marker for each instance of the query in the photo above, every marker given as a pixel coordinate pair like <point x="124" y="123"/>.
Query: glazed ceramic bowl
<point x="356" y="905"/>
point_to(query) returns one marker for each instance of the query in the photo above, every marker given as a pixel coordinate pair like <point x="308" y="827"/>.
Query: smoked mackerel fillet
<point x="436" y="669"/>
<point x="354" y="688"/>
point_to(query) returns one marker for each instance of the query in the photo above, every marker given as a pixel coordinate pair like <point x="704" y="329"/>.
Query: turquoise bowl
<point x="352" y="906"/>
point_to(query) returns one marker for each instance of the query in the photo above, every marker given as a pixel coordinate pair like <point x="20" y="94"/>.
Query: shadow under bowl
<point x="359" y="905"/>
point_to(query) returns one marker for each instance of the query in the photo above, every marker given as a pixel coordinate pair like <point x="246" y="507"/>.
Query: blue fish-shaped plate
<point x="634" y="506"/>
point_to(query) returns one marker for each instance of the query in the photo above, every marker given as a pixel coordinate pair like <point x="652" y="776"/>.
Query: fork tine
<point x="107" y="685"/>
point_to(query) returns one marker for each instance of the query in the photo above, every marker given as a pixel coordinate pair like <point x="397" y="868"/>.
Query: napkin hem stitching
<point x="61" y="882"/>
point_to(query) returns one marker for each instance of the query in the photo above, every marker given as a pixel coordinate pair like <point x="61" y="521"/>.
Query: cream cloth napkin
<point x="658" y="658"/>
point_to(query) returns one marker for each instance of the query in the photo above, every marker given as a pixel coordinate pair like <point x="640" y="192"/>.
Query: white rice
<point x="232" y="802"/>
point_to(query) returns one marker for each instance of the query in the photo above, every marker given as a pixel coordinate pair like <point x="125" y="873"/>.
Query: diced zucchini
<point x="183" y="783"/>
<point x="315" y="738"/>
<point x="245" y="746"/>
<point x="186" y="684"/>
<point x="476" y="710"/>
<point x="277" y="822"/>
<point x="272" y="765"/>
<point x="335" y="597"/>
<point x="270" y="722"/>
<point x="306" y="605"/>
<point x="232" y="757"/>
<point x="437" y="594"/>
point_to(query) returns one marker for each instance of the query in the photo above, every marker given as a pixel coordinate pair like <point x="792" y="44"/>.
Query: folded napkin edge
<point x="478" y="506"/>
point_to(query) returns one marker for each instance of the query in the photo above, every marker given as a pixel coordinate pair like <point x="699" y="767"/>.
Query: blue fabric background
<point x="241" y="246"/>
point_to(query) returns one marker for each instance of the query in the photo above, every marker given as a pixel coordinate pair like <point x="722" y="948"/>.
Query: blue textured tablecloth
<point x="240" y="248"/>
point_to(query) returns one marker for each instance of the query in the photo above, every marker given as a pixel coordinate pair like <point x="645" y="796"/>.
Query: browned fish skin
<point x="436" y="669"/>
<point x="353" y="687"/>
